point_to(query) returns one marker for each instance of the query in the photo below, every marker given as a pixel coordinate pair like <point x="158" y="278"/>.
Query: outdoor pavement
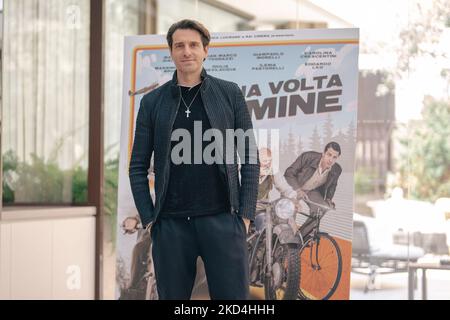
<point x="387" y="286"/>
<point x="395" y="286"/>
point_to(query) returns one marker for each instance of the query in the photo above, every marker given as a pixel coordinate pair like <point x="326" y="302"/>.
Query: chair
<point x="373" y="251"/>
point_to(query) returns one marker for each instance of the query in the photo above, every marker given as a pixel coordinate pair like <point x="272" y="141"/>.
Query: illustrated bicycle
<point x="320" y="257"/>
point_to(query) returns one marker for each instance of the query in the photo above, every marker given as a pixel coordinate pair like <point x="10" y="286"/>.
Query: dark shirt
<point x="194" y="189"/>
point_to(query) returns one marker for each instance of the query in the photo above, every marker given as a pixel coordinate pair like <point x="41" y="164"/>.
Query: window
<point x="45" y="101"/>
<point x="213" y="14"/>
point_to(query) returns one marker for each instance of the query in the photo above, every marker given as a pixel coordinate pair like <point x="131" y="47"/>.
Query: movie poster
<point x="301" y="91"/>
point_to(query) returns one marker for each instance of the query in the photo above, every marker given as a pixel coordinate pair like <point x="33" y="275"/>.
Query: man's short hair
<point x="333" y="145"/>
<point x="188" y="24"/>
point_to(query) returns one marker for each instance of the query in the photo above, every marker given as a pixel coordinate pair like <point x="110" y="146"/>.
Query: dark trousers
<point x="220" y="240"/>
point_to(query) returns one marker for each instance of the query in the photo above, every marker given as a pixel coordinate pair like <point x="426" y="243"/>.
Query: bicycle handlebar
<point x="322" y="206"/>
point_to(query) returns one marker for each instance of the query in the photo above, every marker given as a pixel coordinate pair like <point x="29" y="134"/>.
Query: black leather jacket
<point x="304" y="167"/>
<point x="226" y="109"/>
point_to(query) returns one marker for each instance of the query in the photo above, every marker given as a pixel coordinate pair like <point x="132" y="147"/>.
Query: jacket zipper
<point x="232" y="209"/>
<point x="228" y="188"/>
<point x="168" y="157"/>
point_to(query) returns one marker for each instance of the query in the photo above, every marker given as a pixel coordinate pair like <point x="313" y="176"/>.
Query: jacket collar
<point x="316" y="162"/>
<point x="174" y="82"/>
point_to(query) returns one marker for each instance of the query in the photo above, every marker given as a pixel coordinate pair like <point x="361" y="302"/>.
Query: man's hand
<point x="129" y="225"/>
<point x="331" y="204"/>
<point x="302" y="194"/>
<point x="247" y="224"/>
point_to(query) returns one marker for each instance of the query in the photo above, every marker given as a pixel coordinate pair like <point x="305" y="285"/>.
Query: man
<point x="315" y="175"/>
<point x="201" y="209"/>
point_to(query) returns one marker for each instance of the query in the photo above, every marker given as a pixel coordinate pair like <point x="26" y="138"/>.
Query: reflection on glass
<point x="45" y="101"/>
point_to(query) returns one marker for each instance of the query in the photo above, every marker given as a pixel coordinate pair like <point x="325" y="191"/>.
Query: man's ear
<point x="206" y="53"/>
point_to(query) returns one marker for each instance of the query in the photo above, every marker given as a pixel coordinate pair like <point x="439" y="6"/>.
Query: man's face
<point x="329" y="157"/>
<point x="187" y="51"/>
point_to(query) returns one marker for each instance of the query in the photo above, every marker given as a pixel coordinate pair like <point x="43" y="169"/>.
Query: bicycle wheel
<point x="285" y="274"/>
<point x="320" y="267"/>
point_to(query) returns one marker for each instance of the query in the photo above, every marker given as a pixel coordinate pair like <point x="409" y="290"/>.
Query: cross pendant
<point x="187" y="113"/>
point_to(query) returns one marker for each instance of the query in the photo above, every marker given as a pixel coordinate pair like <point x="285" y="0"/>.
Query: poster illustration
<point x="301" y="91"/>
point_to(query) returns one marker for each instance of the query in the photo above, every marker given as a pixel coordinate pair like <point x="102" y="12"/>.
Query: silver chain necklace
<point x="188" y="107"/>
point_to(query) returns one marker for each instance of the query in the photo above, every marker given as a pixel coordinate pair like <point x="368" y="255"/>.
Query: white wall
<point x="281" y="11"/>
<point x="47" y="258"/>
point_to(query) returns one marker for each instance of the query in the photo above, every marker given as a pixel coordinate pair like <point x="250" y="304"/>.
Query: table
<point x="412" y="271"/>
